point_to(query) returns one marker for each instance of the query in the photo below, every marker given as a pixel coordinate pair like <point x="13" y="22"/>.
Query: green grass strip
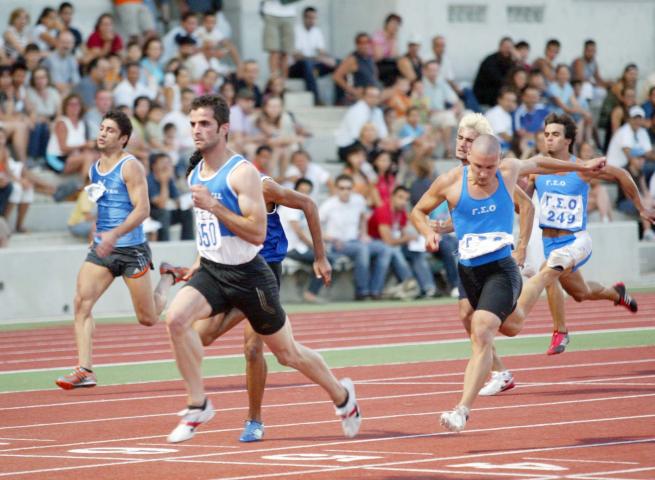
<point x="366" y="355"/>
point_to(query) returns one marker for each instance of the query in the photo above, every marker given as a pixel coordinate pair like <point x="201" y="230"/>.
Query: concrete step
<point x="321" y="146"/>
<point x="646" y="257"/>
<point x="298" y="100"/>
<point x="46" y="217"/>
<point x="332" y="115"/>
<point x="42" y="239"/>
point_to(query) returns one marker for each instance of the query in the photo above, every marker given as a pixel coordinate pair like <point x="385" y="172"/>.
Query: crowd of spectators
<point x="401" y="114"/>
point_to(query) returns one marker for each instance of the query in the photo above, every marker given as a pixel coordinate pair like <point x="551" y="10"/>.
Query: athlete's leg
<point x="465" y="311"/>
<point x="256" y="370"/>
<point x="92" y="281"/>
<point x="140" y="288"/>
<point x="160" y="295"/>
<point x="484" y="326"/>
<point x="556" y="306"/>
<point x="187" y="306"/>
<point x="575" y="285"/>
<point x="211" y="328"/>
<point x="291" y="353"/>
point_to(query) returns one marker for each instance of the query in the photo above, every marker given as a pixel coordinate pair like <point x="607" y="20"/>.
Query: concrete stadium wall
<point x="39" y="283"/>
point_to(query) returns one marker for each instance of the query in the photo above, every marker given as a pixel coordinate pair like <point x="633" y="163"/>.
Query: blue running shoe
<point x="252" y="432"/>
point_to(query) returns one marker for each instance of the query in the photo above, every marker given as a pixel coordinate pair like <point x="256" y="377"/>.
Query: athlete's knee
<point x="288" y="357"/>
<point x="483" y="328"/>
<point x="82" y="306"/>
<point x="579" y="296"/>
<point x="147" y="319"/>
<point x="253" y="349"/>
<point x="177" y="323"/>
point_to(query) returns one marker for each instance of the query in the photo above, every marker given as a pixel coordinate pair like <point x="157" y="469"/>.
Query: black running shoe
<point x="624" y="297"/>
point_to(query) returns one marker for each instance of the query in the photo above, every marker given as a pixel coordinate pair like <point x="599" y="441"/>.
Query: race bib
<point x="208" y="232"/>
<point x="95" y="191"/>
<point x="474" y="245"/>
<point x="558" y="210"/>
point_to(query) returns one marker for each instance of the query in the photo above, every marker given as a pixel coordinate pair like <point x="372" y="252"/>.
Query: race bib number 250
<point x="208" y="232"/>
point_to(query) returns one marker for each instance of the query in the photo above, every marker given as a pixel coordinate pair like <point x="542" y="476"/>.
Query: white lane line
<point x="190" y="445"/>
<point x="587" y="476"/>
<point x="433" y="471"/>
<point x="357" y="452"/>
<point x="28" y="439"/>
<point x="579" y="461"/>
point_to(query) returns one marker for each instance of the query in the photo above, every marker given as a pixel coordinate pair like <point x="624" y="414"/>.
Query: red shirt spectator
<point x="95" y="41"/>
<point x="384" y="215"/>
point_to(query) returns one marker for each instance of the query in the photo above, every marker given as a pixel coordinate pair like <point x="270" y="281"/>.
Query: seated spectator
<point x="68" y="149"/>
<point x="631" y="137"/>
<point x="31" y="59"/>
<point x="385" y="48"/>
<point x="649" y="106"/>
<point x="279" y="132"/>
<point x="15" y="124"/>
<point x="388" y="224"/>
<point x="209" y="28"/>
<point x="171" y="147"/>
<point x="209" y="56"/>
<point x="522" y="53"/>
<point x="17" y="35"/>
<point x="410" y="65"/>
<point x="302" y="167"/>
<point x="635" y="167"/>
<point x="180" y="118"/>
<point x="420" y="100"/>
<point x="135" y="19"/>
<point x="537" y="80"/>
<point x="128" y="90"/>
<point x="82" y="220"/>
<point x="448" y="73"/>
<point x="247" y="75"/>
<point x="66" y="12"/>
<point x="619" y="114"/>
<point x="104" y="40"/>
<point x="564" y="101"/>
<point x="362" y="175"/>
<point x="416" y="137"/>
<point x="300" y="246"/>
<point x="445" y="106"/>
<point x="93" y="116"/>
<point x="6" y="175"/>
<point x="62" y="64"/>
<point x="228" y="93"/>
<point x="492" y="73"/>
<point x="46" y="30"/>
<point x="361" y="66"/>
<point x="275" y="87"/>
<point x="384" y="174"/>
<point x="263" y="159"/>
<point x="343" y="217"/>
<point x="399" y="98"/>
<point x="173" y="91"/>
<point x="93" y="81"/>
<point x="244" y="135"/>
<point x="500" y="118"/>
<point x="310" y="56"/>
<point x="151" y="67"/>
<point x="546" y="64"/>
<point x="138" y="144"/>
<point x="45" y="102"/>
<point x="115" y="71"/>
<point x="529" y="120"/>
<point x="599" y="198"/>
<point x="517" y="80"/>
<point x="364" y="111"/>
<point x="185" y="31"/>
<point x="162" y="192"/>
<point x="586" y="68"/>
<point x="209" y="82"/>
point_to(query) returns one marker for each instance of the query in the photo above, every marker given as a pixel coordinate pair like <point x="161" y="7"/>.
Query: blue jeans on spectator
<point x="470" y="101"/>
<point x="422" y="270"/>
<point x="360" y="253"/>
<point x="382" y="254"/>
<point x="38" y="140"/>
<point x="399" y="265"/>
<point x="171" y="217"/>
<point x="315" y="284"/>
<point x="447" y="253"/>
<point x="5" y="193"/>
<point x="307" y="69"/>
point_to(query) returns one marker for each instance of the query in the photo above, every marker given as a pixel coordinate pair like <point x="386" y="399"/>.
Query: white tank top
<point x="75" y="136"/>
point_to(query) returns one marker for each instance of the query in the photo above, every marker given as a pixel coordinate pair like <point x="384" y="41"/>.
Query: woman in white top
<point x="68" y="149"/>
<point x="44" y="102"/>
<point x="17" y="34"/>
<point x="45" y="31"/>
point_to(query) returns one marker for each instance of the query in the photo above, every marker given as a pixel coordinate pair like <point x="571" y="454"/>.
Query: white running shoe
<point x="455" y="420"/>
<point x="351" y="418"/>
<point x="499" y="382"/>
<point x="192" y="418"/>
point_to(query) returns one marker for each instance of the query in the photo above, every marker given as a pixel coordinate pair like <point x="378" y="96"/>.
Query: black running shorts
<point x="131" y="262"/>
<point x="276" y="267"/>
<point x="251" y="287"/>
<point x="494" y="287"/>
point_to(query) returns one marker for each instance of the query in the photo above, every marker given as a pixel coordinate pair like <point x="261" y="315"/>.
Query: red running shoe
<point x="558" y="343"/>
<point x="624" y="297"/>
<point x="78" y="378"/>
<point x="178" y="272"/>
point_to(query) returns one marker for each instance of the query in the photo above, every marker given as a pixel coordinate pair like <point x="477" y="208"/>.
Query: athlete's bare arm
<point x="275" y="193"/>
<point x="137" y="188"/>
<point x="247" y="184"/>
<point x="526" y="217"/>
<point x="545" y="165"/>
<point x="629" y="187"/>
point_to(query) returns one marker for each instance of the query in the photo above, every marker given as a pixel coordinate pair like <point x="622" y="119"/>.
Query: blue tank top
<point x="483" y="226"/>
<point x="562" y="201"/>
<point x="214" y="240"/>
<point x="114" y="205"/>
<point x="275" y="245"/>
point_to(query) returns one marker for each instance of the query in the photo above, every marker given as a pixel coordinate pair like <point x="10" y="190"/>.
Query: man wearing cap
<point x="410" y="65"/>
<point x="631" y="135"/>
<point x="184" y="34"/>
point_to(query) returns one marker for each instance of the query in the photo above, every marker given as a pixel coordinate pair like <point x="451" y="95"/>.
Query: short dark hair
<point x="302" y="152"/>
<point x="187" y="15"/>
<point x="65" y="5"/>
<point x="32" y="47"/>
<point x="168" y="126"/>
<point x="308" y="10"/>
<point x="589" y="42"/>
<point x="522" y="44"/>
<point x="122" y="121"/>
<point x="303" y="181"/>
<point x="263" y="148"/>
<point x="391" y="17"/>
<point x="343" y="177"/>
<point x="400" y="188"/>
<point x="361" y="35"/>
<point x="570" y="129"/>
<point x="217" y="103"/>
<point x="553" y="42"/>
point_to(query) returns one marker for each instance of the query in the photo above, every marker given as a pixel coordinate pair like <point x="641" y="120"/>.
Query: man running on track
<point x="480" y="197"/>
<point x="563" y="219"/>
<point x="230" y="215"/>
<point x="119" y="187"/>
<point x="273" y="251"/>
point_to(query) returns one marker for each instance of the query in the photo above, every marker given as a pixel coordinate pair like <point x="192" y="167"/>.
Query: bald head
<point x="486" y="145"/>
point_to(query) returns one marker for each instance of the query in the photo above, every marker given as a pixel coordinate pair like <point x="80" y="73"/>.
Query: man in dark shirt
<point x="492" y="73"/>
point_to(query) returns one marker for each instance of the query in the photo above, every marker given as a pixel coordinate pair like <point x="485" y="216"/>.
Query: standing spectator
<point x="586" y="68"/>
<point x="135" y="19"/>
<point x="492" y="73"/>
<point x="66" y="12"/>
<point x="385" y="48"/>
<point x="162" y="191"/>
<point x="361" y="65"/>
<point x="247" y="76"/>
<point x="17" y="35"/>
<point x="343" y="217"/>
<point x="45" y="103"/>
<point x="46" y="30"/>
<point x="302" y="167"/>
<point x="311" y="58"/>
<point x="546" y="64"/>
<point x="278" y="35"/>
<point x="62" y="64"/>
<point x="631" y="137"/>
<point x="364" y="111"/>
<point x="186" y="29"/>
<point x="104" y="40"/>
<point x="93" y="116"/>
<point x="68" y="148"/>
<point x="500" y="118"/>
<point x="128" y="90"/>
